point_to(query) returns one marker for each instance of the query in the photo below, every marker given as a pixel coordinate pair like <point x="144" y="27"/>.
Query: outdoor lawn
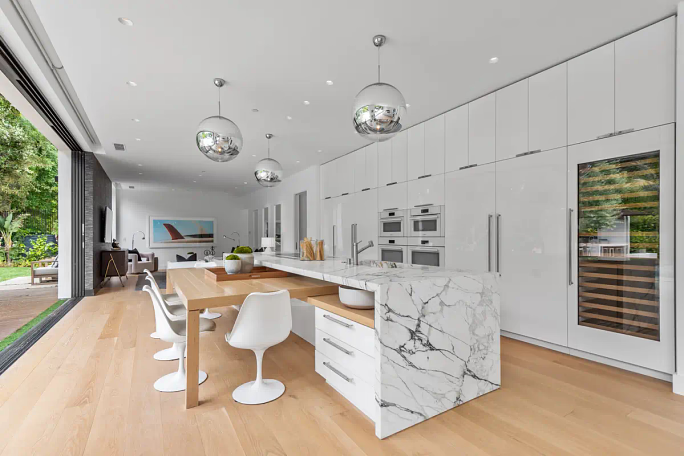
<point x="11" y="273"/>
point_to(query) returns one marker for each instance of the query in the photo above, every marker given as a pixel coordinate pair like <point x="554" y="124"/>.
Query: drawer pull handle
<point x="347" y="379"/>
<point x="607" y="135"/>
<point x="468" y="166"/>
<point x="335" y="320"/>
<point x="340" y="348"/>
<point x="424" y="176"/>
<point x="391" y="183"/>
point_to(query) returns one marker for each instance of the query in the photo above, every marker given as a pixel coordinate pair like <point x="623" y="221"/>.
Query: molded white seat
<point x="265" y="320"/>
<point x="174" y="299"/>
<point x="174" y="332"/>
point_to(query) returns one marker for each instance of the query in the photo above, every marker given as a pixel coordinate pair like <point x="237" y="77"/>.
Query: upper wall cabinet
<point x="343" y="175"/>
<point x="416" y="151"/>
<point x="366" y="168"/>
<point x="591" y="95"/>
<point x="645" y="77"/>
<point x="327" y="187"/>
<point x="384" y="163"/>
<point x="456" y="138"/>
<point x="399" y="156"/>
<point x="512" y="120"/>
<point x="549" y="108"/>
<point x="482" y="130"/>
<point x="434" y="146"/>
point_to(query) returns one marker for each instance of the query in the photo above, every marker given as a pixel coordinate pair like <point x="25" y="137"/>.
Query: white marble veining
<point x="437" y="334"/>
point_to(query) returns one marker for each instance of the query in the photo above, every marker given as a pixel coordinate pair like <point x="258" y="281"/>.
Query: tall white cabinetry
<point x="456" y="138"/>
<point x="482" y="130"/>
<point x="512" y="120"/>
<point x="548" y="109"/>
<point x="366" y="168"/>
<point x="392" y="172"/>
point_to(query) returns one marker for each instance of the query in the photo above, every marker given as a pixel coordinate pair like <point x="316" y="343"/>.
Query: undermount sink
<point x="356" y="299"/>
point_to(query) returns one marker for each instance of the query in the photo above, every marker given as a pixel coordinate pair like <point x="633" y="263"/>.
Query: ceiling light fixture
<point x="245" y="183"/>
<point x="268" y="172"/>
<point x="329" y="83"/>
<point x="139" y="164"/>
<point x="126" y="21"/>
<point x="307" y="103"/>
<point x="408" y="105"/>
<point x="319" y="150"/>
<point x="493" y="60"/>
<point x="289" y="118"/>
<point x="255" y="110"/>
<point x="132" y="83"/>
<point x="138" y="139"/>
<point x="135" y="120"/>
<point x="378" y="108"/>
<point x="218" y="138"/>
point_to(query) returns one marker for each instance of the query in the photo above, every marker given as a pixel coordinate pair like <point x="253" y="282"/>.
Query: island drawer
<point x="358" y="336"/>
<point x="350" y="358"/>
<point x="355" y="390"/>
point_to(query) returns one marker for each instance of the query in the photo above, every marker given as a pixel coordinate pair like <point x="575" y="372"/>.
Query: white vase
<point x="232" y="266"/>
<point x="247" y="260"/>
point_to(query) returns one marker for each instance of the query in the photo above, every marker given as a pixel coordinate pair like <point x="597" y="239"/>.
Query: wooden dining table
<point x="198" y="292"/>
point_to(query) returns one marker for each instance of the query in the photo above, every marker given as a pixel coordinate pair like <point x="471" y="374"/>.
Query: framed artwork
<point x="181" y="231"/>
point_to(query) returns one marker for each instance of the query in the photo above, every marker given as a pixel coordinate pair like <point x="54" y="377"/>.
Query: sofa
<point x="138" y="266"/>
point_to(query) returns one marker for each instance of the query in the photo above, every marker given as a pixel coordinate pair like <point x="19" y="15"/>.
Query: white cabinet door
<point x="427" y="190"/>
<point x="399" y="156"/>
<point x="434" y="146"/>
<point x="482" y="130"/>
<point x="327" y="223"/>
<point x="549" y="108"/>
<point x="344" y="172"/>
<point x="384" y="163"/>
<point x="392" y="197"/>
<point x="532" y="233"/>
<point x="326" y="181"/>
<point x="359" y="169"/>
<point x="591" y="95"/>
<point x="371" y="166"/>
<point x="345" y="217"/>
<point x="456" y="138"/>
<point x="469" y="218"/>
<point x="416" y="151"/>
<point x="512" y="120"/>
<point x="366" y="217"/>
<point x="645" y="77"/>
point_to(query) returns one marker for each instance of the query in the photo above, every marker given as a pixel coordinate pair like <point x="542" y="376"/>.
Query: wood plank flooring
<point x="86" y="388"/>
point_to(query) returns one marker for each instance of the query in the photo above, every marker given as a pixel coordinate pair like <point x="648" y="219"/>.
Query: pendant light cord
<point x="378" y="63"/>
<point x="219" y="100"/>
<point x="269" y="147"/>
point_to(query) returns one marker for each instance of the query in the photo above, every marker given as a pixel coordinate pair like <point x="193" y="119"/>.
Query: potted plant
<point x="246" y="257"/>
<point x="232" y="264"/>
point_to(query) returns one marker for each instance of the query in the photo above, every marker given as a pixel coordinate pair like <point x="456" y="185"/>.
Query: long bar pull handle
<point x="347" y="379"/>
<point x="489" y="242"/>
<point x="339" y="347"/>
<point x="570" y="246"/>
<point x="333" y="252"/>
<point x="498" y="243"/>
<point x="335" y="320"/>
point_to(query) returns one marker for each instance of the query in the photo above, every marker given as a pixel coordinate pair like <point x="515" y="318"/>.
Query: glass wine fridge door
<point x="621" y="248"/>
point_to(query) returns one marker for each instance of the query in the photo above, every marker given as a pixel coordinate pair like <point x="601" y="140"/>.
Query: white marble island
<point x="437" y="335"/>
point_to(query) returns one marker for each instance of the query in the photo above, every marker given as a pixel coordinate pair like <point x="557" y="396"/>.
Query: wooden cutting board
<point x="259" y="272"/>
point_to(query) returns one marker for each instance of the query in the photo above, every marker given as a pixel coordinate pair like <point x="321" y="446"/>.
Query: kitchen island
<point x="436" y="335"/>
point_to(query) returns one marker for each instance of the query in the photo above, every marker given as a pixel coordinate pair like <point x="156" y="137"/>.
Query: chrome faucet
<point x="355" y="246"/>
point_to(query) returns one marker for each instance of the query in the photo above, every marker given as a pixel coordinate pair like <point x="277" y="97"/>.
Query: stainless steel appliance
<point x="426" y="251"/>
<point x="393" y="252"/>
<point x="392" y="223"/>
<point x="426" y="221"/>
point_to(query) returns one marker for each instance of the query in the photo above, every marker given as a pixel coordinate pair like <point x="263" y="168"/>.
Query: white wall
<point x="306" y="180"/>
<point x="135" y="206"/>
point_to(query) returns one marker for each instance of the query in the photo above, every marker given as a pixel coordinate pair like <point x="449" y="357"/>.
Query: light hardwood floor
<point x="86" y="388"/>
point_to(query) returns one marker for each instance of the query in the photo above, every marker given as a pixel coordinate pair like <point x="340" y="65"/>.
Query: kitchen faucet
<point x="355" y="246"/>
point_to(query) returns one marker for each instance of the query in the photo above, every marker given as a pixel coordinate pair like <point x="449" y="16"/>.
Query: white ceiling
<point x="276" y="54"/>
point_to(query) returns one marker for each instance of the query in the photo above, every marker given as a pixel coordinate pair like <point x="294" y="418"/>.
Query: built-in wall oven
<point x="426" y="251"/>
<point x="393" y="249"/>
<point x="392" y="223"/>
<point x="426" y="221"/>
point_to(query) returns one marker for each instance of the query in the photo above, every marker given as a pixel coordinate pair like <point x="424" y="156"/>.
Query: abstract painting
<point x="181" y="231"/>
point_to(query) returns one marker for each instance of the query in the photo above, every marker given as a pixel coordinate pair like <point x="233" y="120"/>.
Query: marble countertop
<point x="369" y="275"/>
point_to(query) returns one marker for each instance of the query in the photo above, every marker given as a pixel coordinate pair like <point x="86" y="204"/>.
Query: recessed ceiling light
<point x="139" y="164"/>
<point x="126" y="21"/>
<point x="320" y="150"/>
<point x="194" y="182"/>
<point x="255" y="110"/>
<point x="329" y="83"/>
<point x="245" y="183"/>
<point x="297" y="161"/>
<point x="289" y="118"/>
<point x="307" y="102"/>
<point x="135" y="120"/>
<point x="132" y="83"/>
<point x="140" y="174"/>
<point x="138" y="139"/>
<point x="493" y="60"/>
<point x="408" y="105"/>
<point x="253" y="155"/>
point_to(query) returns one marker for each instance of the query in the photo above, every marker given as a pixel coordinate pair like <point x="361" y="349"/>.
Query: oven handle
<point x="425" y="216"/>
<point x="395" y="249"/>
<point x="425" y="249"/>
<point x="392" y="219"/>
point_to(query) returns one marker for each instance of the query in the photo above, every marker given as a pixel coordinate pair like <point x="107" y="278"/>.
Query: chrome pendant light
<point x="218" y="138"/>
<point x="378" y="108"/>
<point x="268" y="172"/>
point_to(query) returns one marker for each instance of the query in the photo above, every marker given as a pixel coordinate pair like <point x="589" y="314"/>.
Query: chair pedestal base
<point x="175" y="382"/>
<point x="210" y="315"/>
<point x="168" y="354"/>
<point x="154" y="335"/>
<point x="252" y="393"/>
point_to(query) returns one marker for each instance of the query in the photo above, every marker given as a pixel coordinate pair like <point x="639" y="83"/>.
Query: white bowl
<point x="357" y="299"/>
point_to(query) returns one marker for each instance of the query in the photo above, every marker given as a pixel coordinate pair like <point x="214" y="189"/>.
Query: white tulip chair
<point x="265" y="320"/>
<point x="173" y="332"/>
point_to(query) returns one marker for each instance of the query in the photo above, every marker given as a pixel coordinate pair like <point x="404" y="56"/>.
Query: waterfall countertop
<point x="437" y="334"/>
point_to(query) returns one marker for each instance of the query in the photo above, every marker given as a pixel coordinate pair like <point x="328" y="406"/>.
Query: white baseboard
<point x="597" y="358"/>
<point x="678" y="384"/>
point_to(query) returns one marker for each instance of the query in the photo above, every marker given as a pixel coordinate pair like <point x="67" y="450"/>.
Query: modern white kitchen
<point x="424" y="229"/>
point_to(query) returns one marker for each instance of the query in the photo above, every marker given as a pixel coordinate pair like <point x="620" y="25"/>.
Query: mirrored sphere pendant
<point x="219" y="139"/>
<point x="268" y="172"/>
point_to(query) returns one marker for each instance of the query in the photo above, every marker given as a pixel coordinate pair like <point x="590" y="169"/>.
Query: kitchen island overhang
<point x="437" y="334"/>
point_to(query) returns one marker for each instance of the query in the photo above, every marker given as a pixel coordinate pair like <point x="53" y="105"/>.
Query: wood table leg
<point x="169" y="285"/>
<point x="192" y="360"/>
